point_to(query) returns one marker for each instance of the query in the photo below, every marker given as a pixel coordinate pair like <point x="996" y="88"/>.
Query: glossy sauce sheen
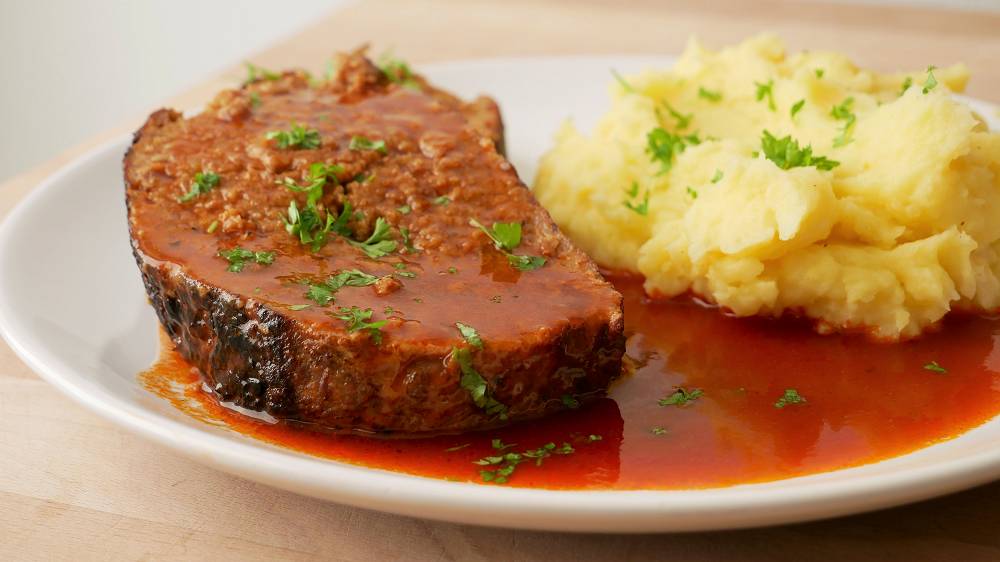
<point x="865" y="402"/>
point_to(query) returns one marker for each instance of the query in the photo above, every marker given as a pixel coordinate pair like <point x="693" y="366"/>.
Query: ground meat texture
<point x="261" y="343"/>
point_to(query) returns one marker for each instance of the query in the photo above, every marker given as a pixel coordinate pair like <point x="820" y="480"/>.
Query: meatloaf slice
<point x="314" y="250"/>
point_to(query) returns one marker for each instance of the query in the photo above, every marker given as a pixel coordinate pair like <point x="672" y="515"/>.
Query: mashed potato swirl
<point x="903" y="227"/>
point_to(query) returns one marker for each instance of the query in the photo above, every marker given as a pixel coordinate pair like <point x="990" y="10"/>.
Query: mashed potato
<point x="891" y="220"/>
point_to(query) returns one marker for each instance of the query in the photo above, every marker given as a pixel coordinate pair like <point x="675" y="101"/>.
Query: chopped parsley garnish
<point x="657" y="430"/>
<point x="441" y="200"/>
<point x="476" y="386"/>
<point x="594" y="438"/>
<point x="621" y="82"/>
<point x="239" y="257"/>
<point x="203" y="183"/>
<point x="766" y="91"/>
<point x="364" y="143"/>
<point x="453" y="270"/>
<point x="254" y="99"/>
<point x="790" y="397"/>
<point x="470" y="334"/>
<point x="506" y="463"/>
<point x="570" y="402"/>
<point x="323" y="293"/>
<point x="404" y="209"/>
<point x="525" y="263"/>
<point x="212" y="227"/>
<point x="397" y="71"/>
<point x="683" y="120"/>
<point x="663" y="147"/>
<point x="254" y="72"/>
<point x="634" y="205"/>
<point x="359" y="319"/>
<point x="681" y="397"/>
<point x="785" y="152"/>
<point x="843" y="113"/>
<point x="307" y="224"/>
<point x="692" y="193"/>
<point x="407" y="241"/>
<point x="717" y="177"/>
<point x="457" y="448"/>
<point x="318" y="175"/>
<point x="402" y="271"/>
<point x="710" y="95"/>
<point x="506" y="236"/>
<point x="380" y="243"/>
<point x="820" y="72"/>
<point x="935" y="368"/>
<point x="797" y="107"/>
<point x="906" y="85"/>
<point x="296" y="136"/>
<point x="931" y="81"/>
<point x="299" y="306"/>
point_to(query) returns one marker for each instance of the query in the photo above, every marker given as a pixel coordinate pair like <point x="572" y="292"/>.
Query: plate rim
<point x="630" y="511"/>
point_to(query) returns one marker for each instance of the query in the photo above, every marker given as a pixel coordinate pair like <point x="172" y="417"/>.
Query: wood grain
<point x="74" y="487"/>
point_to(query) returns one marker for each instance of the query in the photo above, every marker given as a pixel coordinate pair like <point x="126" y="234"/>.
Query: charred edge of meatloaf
<point x="254" y="357"/>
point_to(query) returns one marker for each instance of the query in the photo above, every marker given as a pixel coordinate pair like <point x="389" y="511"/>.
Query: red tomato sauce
<point x="864" y="402"/>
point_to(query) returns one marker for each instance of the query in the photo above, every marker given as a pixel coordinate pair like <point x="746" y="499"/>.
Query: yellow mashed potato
<point x="900" y="228"/>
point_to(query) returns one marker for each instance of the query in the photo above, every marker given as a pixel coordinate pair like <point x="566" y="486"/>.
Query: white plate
<point x="72" y="306"/>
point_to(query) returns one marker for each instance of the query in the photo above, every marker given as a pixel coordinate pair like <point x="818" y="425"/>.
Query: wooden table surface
<point x="73" y="486"/>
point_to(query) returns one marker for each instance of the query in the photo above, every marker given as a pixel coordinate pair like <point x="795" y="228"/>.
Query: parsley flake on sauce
<point x="441" y="200"/>
<point x="203" y="183"/>
<point x="470" y="334"/>
<point x="404" y="209"/>
<point x="766" y="90"/>
<point x="681" y="397"/>
<point x="296" y="136"/>
<point x="819" y="72"/>
<point x="506" y="236"/>
<point x="323" y="293"/>
<point x="505" y="463"/>
<point x="785" y="152"/>
<point x="380" y="243"/>
<point x="710" y="95"/>
<point x="717" y="177"/>
<point x="364" y="143"/>
<point x="476" y="386"/>
<point x="359" y="319"/>
<point x="790" y="397"/>
<point x="570" y="402"/>
<point x="657" y="430"/>
<point x="935" y="368"/>
<point x="239" y="257"/>
<point x="692" y="193"/>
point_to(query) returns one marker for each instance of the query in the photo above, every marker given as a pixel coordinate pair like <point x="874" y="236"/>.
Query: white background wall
<point x="72" y="68"/>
